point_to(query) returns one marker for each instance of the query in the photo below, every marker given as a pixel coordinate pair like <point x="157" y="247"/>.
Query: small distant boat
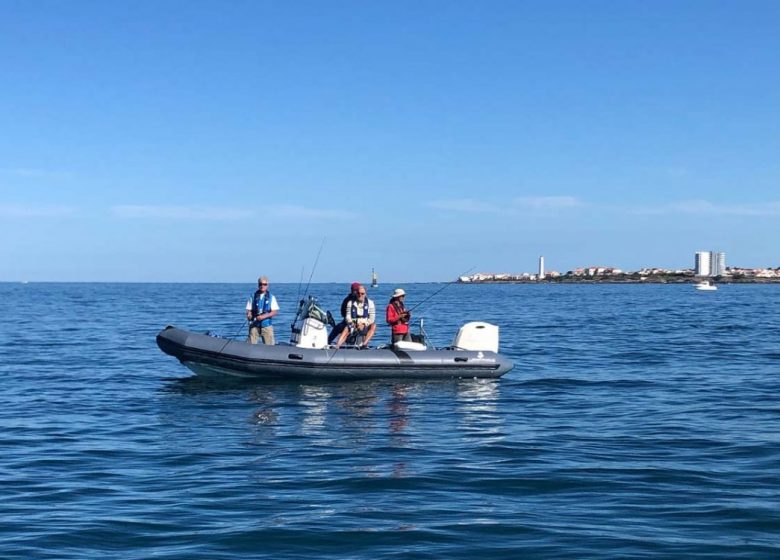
<point x="374" y="279"/>
<point x="706" y="285"/>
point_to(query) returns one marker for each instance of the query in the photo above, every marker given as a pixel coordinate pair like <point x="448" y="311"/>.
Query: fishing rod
<point x="314" y="267"/>
<point x="437" y="292"/>
<point x="306" y="291"/>
<point x="316" y="260"/>
<point x="300" y="283"/>
<point x="233" y="338"/>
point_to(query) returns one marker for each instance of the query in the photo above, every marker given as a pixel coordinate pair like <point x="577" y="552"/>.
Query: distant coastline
<point x="626" y="281"/>
<point x="622" y="278"/>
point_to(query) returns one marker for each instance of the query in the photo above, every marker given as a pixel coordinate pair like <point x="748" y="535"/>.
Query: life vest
<point x="353" y="312"/>
<point x="266" y="308"/>
<point x="399" y="327"/>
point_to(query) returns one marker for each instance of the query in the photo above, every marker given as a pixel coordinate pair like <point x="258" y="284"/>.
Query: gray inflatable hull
<point x="208" y="355"/>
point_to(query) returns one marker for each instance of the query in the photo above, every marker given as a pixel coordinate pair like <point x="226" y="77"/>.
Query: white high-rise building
<point x="710" y="263"/>
<point x="702" y="263"/>
<point x="717" y="263"/>
<point x="541" y="268"/>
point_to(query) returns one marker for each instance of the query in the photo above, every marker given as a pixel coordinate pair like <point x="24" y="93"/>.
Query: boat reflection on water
<point x="370" y="429"/>
<point x="399" y="410"/>
<point x="314" y="403"/>
<point x="478" y="395"/>
<point x="316" y="408"/>
<point x="478" y="404"/>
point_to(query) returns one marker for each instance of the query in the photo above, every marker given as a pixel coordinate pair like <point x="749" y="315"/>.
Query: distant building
<point x="717" y="264"/>
<point x="541" y="268"/>
<point x="710" y="263"/>
<point x="702" y="263"/>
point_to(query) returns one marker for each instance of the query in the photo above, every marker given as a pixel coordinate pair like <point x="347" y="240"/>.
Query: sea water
<point x="640" y="420"/>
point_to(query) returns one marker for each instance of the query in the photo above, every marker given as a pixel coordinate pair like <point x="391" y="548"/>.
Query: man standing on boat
<point x="260" y="309"/>
<point x="361" y="320"/>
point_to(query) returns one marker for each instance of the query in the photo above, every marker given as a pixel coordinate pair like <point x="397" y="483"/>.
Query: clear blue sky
<point x="215" y="141"/>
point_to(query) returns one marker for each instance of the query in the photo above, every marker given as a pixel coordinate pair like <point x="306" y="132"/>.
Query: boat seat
<point x="407" y="345"/>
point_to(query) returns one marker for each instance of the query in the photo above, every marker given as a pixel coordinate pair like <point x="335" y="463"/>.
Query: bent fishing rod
<point x="437" y="292"/>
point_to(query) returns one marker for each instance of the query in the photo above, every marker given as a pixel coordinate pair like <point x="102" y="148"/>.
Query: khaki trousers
<point x="266" y="333"/>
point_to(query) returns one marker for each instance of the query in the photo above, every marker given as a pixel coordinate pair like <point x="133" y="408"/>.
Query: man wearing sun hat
<point x="398" y="317"/>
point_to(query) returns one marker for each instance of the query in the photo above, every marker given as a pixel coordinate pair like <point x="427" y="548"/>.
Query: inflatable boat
<point x="473" y="354"/>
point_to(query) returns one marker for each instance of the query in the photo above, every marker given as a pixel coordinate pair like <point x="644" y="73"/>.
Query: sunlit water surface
<point x="640" y="420"/>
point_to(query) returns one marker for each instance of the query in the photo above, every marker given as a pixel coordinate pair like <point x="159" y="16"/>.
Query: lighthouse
<point x="541" y="268"/>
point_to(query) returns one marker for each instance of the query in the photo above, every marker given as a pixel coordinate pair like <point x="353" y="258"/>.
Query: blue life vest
<point x="256" y="310"/>
<point x="353" y="311"/>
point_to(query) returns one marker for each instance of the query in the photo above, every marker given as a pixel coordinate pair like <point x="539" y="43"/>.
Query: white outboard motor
<point x="477" y="336"/>
<point x="309" y="329"/>
<point x="313" y="334"/>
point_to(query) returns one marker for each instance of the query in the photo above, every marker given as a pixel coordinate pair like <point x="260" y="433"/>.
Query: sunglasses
<point x="264" y="283"/>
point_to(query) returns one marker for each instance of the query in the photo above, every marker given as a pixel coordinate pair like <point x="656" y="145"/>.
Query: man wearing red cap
<point x="352" y="296"/>
<point x="361" y="320"/>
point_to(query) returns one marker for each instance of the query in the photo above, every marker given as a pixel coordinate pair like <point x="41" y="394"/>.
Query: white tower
<point x="541" y="268"/>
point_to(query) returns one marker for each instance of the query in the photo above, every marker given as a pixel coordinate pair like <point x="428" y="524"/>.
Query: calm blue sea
<point x="639" y="421"/>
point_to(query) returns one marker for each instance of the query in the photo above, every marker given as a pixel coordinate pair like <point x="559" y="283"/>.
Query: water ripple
<point x="639" y="421"/>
